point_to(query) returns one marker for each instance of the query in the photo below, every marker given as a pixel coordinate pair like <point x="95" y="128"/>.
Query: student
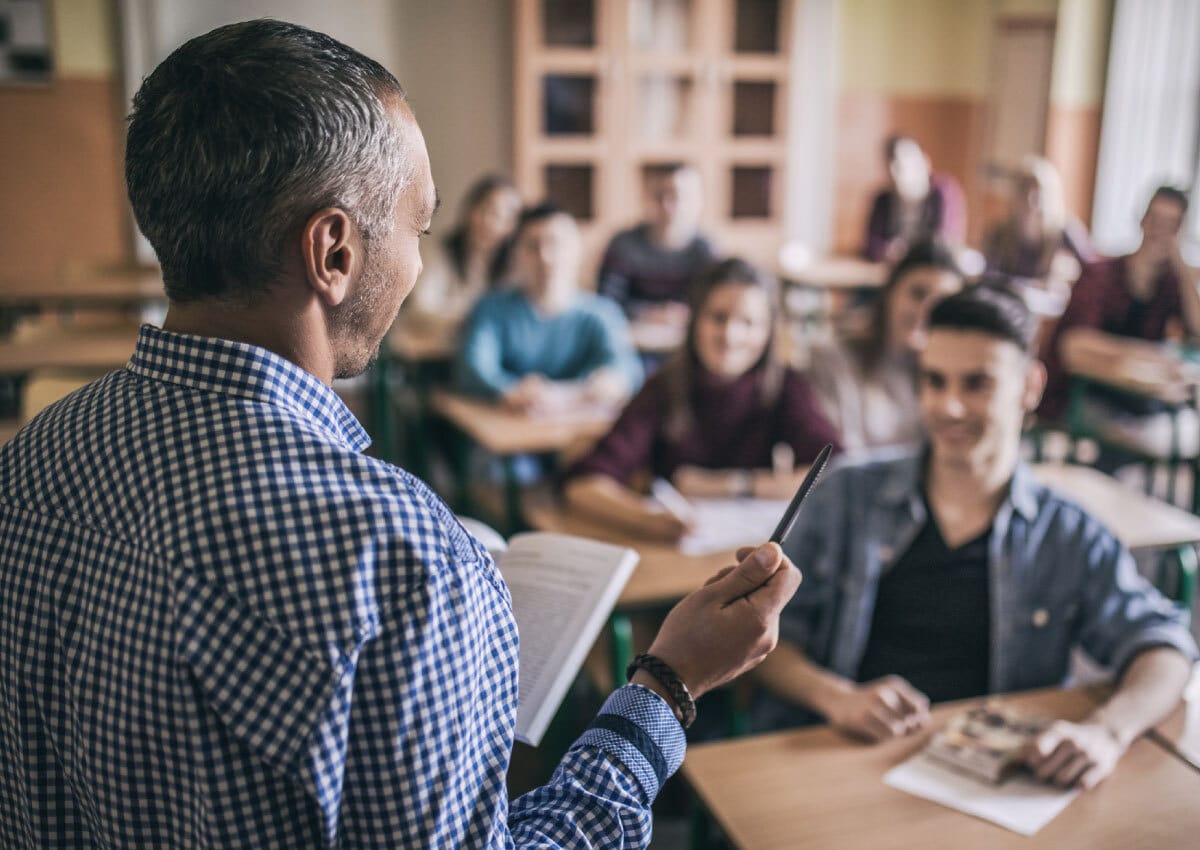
<point x="223" y="624"/>
<point x="949" y="572"/>
<point x="545" y="347"/>
<point x="1120" y="309"/>
<point x="472" y="258"/>
<point x="867" y="380"/>
<point x="710" y="420"/>
<point x="1040" y="240"/>
<point x="649" y="268"/>
<point x="916" y="204"/>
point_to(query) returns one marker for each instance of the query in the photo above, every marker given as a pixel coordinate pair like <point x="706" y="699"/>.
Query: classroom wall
<point x="921" y="68"/>
<point x="457" y="67"/>
<point x="1076" y="98"/>
<point x="60" y="152"/>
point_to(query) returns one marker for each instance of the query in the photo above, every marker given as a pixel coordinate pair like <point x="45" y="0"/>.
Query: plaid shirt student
<point x="221" y="625"/>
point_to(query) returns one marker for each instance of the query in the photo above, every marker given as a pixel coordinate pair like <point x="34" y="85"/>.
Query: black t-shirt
<point x="931" y="623"/>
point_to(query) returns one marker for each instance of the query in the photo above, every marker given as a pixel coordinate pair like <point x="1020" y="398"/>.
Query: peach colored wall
<point x="62" y="195"/>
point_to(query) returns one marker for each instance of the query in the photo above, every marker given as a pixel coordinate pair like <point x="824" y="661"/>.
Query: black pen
<point x="793" y="509"/>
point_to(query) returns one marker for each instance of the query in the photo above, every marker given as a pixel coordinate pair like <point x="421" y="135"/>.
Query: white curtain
<point x="1151" y="117"/>
<point x="812" y="120"/>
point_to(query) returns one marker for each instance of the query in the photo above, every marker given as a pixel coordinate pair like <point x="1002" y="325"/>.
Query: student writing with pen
<point x="720" y="419"/>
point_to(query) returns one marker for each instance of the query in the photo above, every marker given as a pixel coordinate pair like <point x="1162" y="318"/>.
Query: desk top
<point x="105" y="285"/>
<point x="108" y="350"/>
<point x="834" y="273"/>
<point x="814" y="788"/>
<point x="417" y="343"/>
<point x="1180" y="732"/>
<point x="656" y="337"/>
<point x="503" y="432"/>
<point x="663" y="575"/>
<point x="1139" y="521"/>
<point x="1143" y="376"/>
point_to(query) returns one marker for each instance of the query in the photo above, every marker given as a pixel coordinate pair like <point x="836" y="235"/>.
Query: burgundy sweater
<point x="1101" y="300"/>
<point x="732" y="429"/>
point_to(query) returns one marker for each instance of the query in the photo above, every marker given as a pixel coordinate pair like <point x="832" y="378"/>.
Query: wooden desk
<point x="506" y="434"/>
<point x="664" y="574"/>
<point x="1139" y="521"/>
<point x="110" y="350"/>
<point x="414" y="343"/>
<point x="421" y="351"/>
<point x="503" y="432"/>
<point x="93" y="285"/>
<point x="1180" y="732"/>
<point x="813" y="788"/>
<point x="833" y="273"/>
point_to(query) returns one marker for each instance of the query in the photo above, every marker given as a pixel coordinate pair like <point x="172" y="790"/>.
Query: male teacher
<point x="222" y="625"/>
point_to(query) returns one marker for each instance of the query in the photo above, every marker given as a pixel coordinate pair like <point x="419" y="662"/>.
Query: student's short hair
<point x="1170" y="193"/>
<point x="538" y="212"/>
<point x="991" y="307"/>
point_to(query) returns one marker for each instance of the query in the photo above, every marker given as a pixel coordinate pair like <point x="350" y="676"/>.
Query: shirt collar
<point x="902" y="485"/>
<point x="247" y="371"/>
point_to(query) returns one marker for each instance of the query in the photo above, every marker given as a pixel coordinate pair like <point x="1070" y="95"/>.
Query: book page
<point x="563" y="589"/>
<point x="723" y="524"/>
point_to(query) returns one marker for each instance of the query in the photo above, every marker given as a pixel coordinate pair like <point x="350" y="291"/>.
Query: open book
<point x="987" y="742"/>
<point x="563" y="589"/>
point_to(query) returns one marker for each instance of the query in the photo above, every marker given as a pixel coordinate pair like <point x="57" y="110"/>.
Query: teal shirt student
<point x="505" y="339"/>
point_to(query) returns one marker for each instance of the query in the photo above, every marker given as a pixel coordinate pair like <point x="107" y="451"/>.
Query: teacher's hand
<point x="730" y="625"/>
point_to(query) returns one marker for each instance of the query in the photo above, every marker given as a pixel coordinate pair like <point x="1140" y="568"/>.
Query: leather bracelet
<point x="667" y="677"/>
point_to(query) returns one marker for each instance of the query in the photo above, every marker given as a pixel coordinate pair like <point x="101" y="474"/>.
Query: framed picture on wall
<point x="25" y="42"/>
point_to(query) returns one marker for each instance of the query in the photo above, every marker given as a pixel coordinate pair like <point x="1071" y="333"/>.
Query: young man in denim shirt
<point x="949" y="572"/>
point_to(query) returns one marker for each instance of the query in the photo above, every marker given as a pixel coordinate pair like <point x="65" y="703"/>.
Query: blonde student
<point x="867" y="380"/>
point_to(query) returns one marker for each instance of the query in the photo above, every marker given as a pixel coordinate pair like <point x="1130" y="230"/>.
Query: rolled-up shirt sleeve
<point x="1123" y="614"/>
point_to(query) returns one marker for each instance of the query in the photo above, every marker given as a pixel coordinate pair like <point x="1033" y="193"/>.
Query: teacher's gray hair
<point x="241" y="134"/>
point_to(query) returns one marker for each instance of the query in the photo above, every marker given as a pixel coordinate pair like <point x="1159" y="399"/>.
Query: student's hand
<point x="879" y="711"/>
<point x="730" y="625"/>
<point x="526" y="394"/>
<point x="1074" y="754"/>
<point x="664" y="526"/>
<point x="695" y="482"/>
<point x="606" y="387"/>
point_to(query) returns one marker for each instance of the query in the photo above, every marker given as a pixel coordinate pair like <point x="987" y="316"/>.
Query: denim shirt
<point x="1057" y="578"/>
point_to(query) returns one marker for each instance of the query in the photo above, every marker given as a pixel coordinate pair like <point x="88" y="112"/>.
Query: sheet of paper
<point x="1021" y="803"/>
<point x="728" y="523"/>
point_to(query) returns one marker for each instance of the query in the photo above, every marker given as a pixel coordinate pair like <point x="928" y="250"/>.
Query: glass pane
<point x="753" y="109"/>
<point x="757" y="29"/>
<point x="664" y="107"/>
<point x="660" y="25"/>
<point x="751" y="192"/>
<point x="569" y="23"/>
<point x="568" y="104"/>
<point x="570" y="186"/>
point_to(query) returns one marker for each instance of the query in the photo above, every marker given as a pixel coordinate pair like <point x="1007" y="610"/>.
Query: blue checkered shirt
<point x="222" y="625"/>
